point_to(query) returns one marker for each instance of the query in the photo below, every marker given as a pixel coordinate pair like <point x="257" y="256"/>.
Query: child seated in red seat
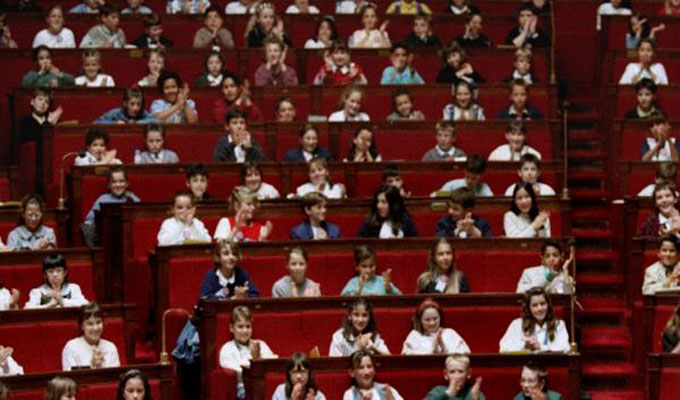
<point x="136" y="7"/>
<point x="155" y="67"/>
<point x="213" y="35"/>
<point x="251" y="177"/>
<point x="428" y="336"/>
<point x="370" y="37"/>
<point x="59" y="388"/>
<point x="401" y="72"/>
<point x="403" y="108"/>
<point x="285" y="110"/>
<point x="534" y="383"/>
<point x="57" y="291"/>
<point x="338" y="68"/>
<point x="228" y="280"/>
<point x="525" y="219"/>
<point x="516" y="147"/>
<point x="645" y="68"/>
<point x="456" y="67"/>
<point x="663" y="275"/>
<point x="315" y="226"/>
<point x="175" y="106"/>
<point x="460" y="383"/>
<point x="275" y="72"/>
<point x="350" y="107"/>
<point x="520" y="108"/>
<point x="464" y="106"/>
<point x="475" y="165"/>
<point x="473" y="36"/>
<point x="9" y="367"/>
<point x="42" y="116"/>
<point x="552" y="274"/>
<point x="665" y="219"/>
<point x="363" y="147"/>
<point x="213" y="71"/>
<point x="133" y="111"/>
<point x="529" y="172"/>
<point x="237" y="353"/>
<point x="666" y="173"/>
<point x="93" y="75"/>
<point x="296" y="283"/>
<point x="527" y="33"/>
<point x="46" y="74"/>
<point x="442" y="275"/>
<point x="299" y="381"/>
<point x="391" y="176"/>
<point x="364" y="386"/>
<point x="182" y="227"/>
<point x="523" y="70"/>
<point x="366" y="282"/>
<point x="265" y="23"/>
<point x="422" y="37"/>
<point x="326" y="34"/>
<point x="461" y="222"/>
<point x="242" y="227"/>
<point x="309" y="148"/>
<point x="320" y="181"/>
<point x="153" y="34"/>
<point x="155" y="153"/>
<point x="238" y="144"/>
<point x="646" y="108"/>
<point x="90" y="350"/>
<point x="235" y="95"/>
<point x="388" y="217"/>
<point x="359" y="331"/>
<point x="445" y="150"/>
<point x="31" y="234"/>
<point x="197" y="181"/>
<point x="97" y="153"/>
<point x="660" y="145"/>
<point x="107" y="34"/>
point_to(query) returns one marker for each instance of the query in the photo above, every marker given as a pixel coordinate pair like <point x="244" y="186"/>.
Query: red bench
<point x="53" y="218"/>
<point x="663" y="373"/>
<point x="626" y="100"/>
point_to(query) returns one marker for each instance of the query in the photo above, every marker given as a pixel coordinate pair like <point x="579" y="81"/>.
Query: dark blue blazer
<point x="211" y="284"/>
<point x="295" y="155"/>
<point x="530" y="113"/>
<point x="446" y="226"/>
<point x="304" y="231"/>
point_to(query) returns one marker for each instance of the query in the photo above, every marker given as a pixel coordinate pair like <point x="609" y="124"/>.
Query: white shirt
<point x="647" y="191"/>
<point x="375" y="395"/>
<point x="331" y="192"/>
<point x="634" y="68"/>
<point x="89" y="159"/>
<point x="101" y="80"/>
<point x="314" y="44"/>
<point x="5" y="296"/>
<point x="293" y="9"/>
<point x="519" y="226"/>
<point x="341" y="347"/>
<point x="236" y="7"/>
<point x="608" y="9"/>
<point x="174" y="232"/>
<point x="267" y="191"/>
<point x="78" y="353"/>
<point x="341" y="116"/>
<point x="664" y="153"/>
<point x="237" y="356"/>
<point x="387" y="233"/>
<point x="70" y="290"/>
<point x="543" y="189"/>
<point x="374" y="39"/>
<point x="513" y="340"/>
<point x="224" y="229"/>
<point x="504" y="153"/>
<point x="10" y="367"/>
<point x="417" y="343"/>
<point x="536" y="276"/>
<point x="62" y="40"/>
<point x="346" y="7"/>
<point x="655" y="277"/>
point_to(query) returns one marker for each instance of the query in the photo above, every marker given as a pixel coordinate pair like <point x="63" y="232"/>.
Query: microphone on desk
<point x="61" y="204"/>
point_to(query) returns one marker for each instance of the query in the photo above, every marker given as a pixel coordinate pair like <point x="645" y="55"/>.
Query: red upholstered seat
<point x="669" y="383"/>
<point x="87" y="391"/>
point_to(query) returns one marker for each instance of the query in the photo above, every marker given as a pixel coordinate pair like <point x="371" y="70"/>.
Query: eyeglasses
<point x="35" y="216"/>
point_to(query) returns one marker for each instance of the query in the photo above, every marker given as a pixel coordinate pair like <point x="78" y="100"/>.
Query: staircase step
<point x="606" y="337"/>
<point x="589" y="194"/>
<point x="594" y="279"/>
<point x="592" y="256"/>
<point x="584" y="174"/>
<point x="602" y="310"/>
<point x="617" y="395"/>
<point x="590" y="213"/>
<point x="609" y="370"/>
<point x="586" y="154"/>
<point x="584" y="134"/>
<point x="592" y="233"/>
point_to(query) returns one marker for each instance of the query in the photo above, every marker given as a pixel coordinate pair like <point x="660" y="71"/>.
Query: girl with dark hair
<point x="133" y="111"/>
<point x="363" y="147"/>
<point x="46" y="74"/>
<point x="359" y="332"/>
<point x="90" y="350"/>
<point x="300" y="384"/>
<point x="363" y="370"/>
<point x="57" y="291"/>
<point x="213" y="72"/>
<point x="133" y="385"/>
<point x="525" y="220"/>
<point x="175" y="106"/>
<point x="388" y="217"/>
<point x="326" y="34"/>
<point x="31" y="233"/>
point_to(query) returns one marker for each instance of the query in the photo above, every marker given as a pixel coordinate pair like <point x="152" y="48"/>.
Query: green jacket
<point x="50" y="79"/>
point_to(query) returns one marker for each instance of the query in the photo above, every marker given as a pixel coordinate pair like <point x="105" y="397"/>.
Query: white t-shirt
<point x="236" y="7"/>
<point x="5" y="295"/>
<point x="417" y="343"/>
<point x="350" y="394"/>
<point x="10" y="368"/>
<point x="341" y="116"/>
<point x="78" y="353"/>
<point x="634" y="68"/>
<point x="174" y="232"/>
<point x="504" y="153"/>
<point x="293" y="9"/>
<point x="236" y="356"/>
<point x="608" y="9"/>
<point x="62" y="40"/>
<point x="543" y="190"/>
<point x="101" y="80"/>
<point x="513" y="339"/>
<point x="331" y="192"/>
<point x="267" y="191"/>
<point x="314" y="44"/>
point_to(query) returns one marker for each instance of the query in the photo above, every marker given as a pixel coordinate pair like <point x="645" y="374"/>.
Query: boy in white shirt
<point x="529" y="171"/>
<point x="516" y="147"/>
<point x="611" y="8"/>
<point x="665" y="175"/>
<point x="9" y="367"/>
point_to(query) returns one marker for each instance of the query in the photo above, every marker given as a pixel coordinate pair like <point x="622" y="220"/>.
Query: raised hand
<point x="53" y="116"/>
<point x="387" y="278"/>
<point x="97" y="358"/>
<point x="475" y="391"/>
<point x="241" y="292"/>
<point x="5" y="353"/>
<point x="14" y="298"/>
<point x="383" y="26"/>
<point x="266" y="231"/>
<point x="255" y="349"/>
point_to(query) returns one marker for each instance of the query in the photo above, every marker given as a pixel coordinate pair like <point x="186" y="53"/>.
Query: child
<point x="456" y="68"/>
<point x="315" y="227"/>
<point x="42" y="116"/>
<point x="461" y="222"/>
<point x="442" y="275"/>
<point x="175" y="107"/>
<point x="92" y="71"/>
<point x="59" y="388"/>
<point x="309" y="147"/>
<point x="473" y="36"/>
<point x="237" y="353"/>
<point x="513" y="151"/>
<point x="87" y="7"/>
<point x="422" y="37"/>
<point x="134" y="385"/>
<point x="319" y="181"/>
<point x="445" y="149"/>
<point x="645" y="68"/>
<point x="338" y="69"/>
<point x="519" y="108"/>
<point x="296" y="283"/>
<point x="56" y="35"/>
<point x="370" y="37"/>
<point x="46" y="73"/>
<point x="670" y="337"/>
<point x="537" y="329"/>
<point x="613" y="7"/>
<point x="155" y="67"/>
<point x="529" y="171"/>
<point x="187" y="6"/>
<point x="664" y="274"/>
<point x="237" y="145"/>
<point x="214" y="71"/>
<point x="646" y="108"/>
<point x="474" y="168"/>
<point x="155" y="153"/>
<point x="534" y="383"/>
<point x="363" y="384"/>
<point x="57" y="291"/>
<point x="9" y="299"/>
<point x="464" y="107"/>
<point x="242" y="227"/>
<point x="363" y="147"/>
<point x="241" y="7"/>
<point x="197" y="181"/>
<point x="153" y="34"/>
<point x="388" y="217"/>
<point x="350" y="107"/>
<point x="285" y="110"/>
<point x="326" y="34"/>
<point x="639" y="28"/>
<point x="235" y="95"/>
<point x="390" y="176"/>
<point x="182" y="228"/>
<point x="460" y="385"/>
<point x="107" y="34"/>
<point x="97" y="142"/>
<point x="349" y="6"/>
<point x="459" y="7"/>
<point x="401" y="72"/>
<point x="227" y="280"/>
<point x="265" y="23"/>
<point x="301" y="7"/>
<point x="526" y="34"/>
<point x="118" y="193"/>
<point x="670" y="7"/>
<point x="9" y="367"/>
<point x="133" y="111"/>
<point x="660" y="145"/>
<point x="359" y="331"/>
<point x="408" y="7"/>
<point x="136" y="7"/>
<point x="428" y="336"/>
<point x="553" y="274"/>
<point x="402" y="107"/>
<point x="299" y="381"/>
<point x="251" y="178"/>
<point x="90" y="350"/>
<point x="275" y="72"/>
<point x="665" y="175"/>
<point x="31" y="234"/>
<point x="366" y="282"/>
<point x="525" y="219"/>
<point x="522" y="65"/>
<point x="665" y="219"/>
<point x="213" y="34"/>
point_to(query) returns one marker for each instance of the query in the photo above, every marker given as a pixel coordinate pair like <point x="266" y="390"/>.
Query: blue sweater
<point x="211" y="288"/>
